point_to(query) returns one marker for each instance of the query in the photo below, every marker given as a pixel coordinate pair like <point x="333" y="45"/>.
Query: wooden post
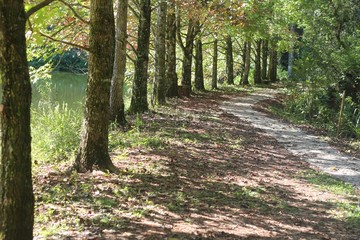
<point x="340" y="114"/>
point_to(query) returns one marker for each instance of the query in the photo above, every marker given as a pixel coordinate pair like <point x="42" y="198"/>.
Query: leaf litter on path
<point x="213" y="177"/>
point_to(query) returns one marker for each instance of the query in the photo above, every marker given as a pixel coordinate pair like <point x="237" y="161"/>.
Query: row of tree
<point x="251" y="33"/>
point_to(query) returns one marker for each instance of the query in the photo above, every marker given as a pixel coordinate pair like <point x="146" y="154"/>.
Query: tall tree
<point x="229" y="61"/>
<point x="243" y="58"/>
<point x="257" y="70"/>
<point x="117" y="108"/>
<point x="245" y="77"/>
<point x="187" y="49"/>
<point x="264" y="58"/>
<point x="272" y="62"/>
<point x="291" y="56"/>
<point x="199" y="69"/>
<point x="159" y="88"/>
<point x="215" y="65"/>
<point x="139" y="102"/>
<point x="93" y="149"/>
<point x="16" y="195"/>
<point x="171" y="75"/>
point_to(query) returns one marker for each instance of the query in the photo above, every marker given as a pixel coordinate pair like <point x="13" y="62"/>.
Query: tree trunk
<point x="291" y="57"/>
<point x="16" y="194"/>
<point x="243" y="57"/>
<point x="265" y="49"/>
<point x="186" y="69"/>
<point x="187" y="61"/>
<point x="117" y="109"/>
<point x="93" y="148"/>
<point x="159" y="87"/>
<point x="215" y="66"/>
<point x="199" y="70"/>
<point x="187" y="50"/>
<point x="139" y="102"/>
<point x="257" y="70"/>
<point x="245" y="77"/>
<point x="273" y="62"/>
<point x="229" y="61"/>
<point x="171" y="75"/>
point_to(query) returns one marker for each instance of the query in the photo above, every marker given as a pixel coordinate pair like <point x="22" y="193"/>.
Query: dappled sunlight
<point x="212" y="177"/>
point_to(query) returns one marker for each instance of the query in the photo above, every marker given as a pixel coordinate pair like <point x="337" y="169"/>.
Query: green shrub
<point x="320" y="107"/>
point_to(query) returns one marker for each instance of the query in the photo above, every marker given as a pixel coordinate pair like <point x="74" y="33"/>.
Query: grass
<point x="55" y="133"/>
<point x="136" y="137"/>
<point x="57" y="116"/>
<point x="327" y="182"/>
<point x="349" y="210"/>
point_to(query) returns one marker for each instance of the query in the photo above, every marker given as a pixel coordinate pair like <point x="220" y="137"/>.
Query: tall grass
<point x="55" y="132"/>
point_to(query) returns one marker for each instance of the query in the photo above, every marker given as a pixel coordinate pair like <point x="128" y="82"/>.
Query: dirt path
<point x="193" y="171"/>
<point x="308" y="147"/>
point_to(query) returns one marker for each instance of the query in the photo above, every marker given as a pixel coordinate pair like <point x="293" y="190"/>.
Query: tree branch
<point x="129" y="57"/>
<point x="136" y="2"/>
<point x="37" y="7"/>
<point x="61" y="29"/>
<point x="136" y="14"/>
<point x="132" y="47"/>
<point x="74" y="12"/>
<point x="178" y="32"/>
<point x="64" y="42"/>
<point x="80" y="5"/>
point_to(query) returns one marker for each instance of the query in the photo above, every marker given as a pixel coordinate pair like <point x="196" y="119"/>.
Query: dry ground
<point x="195" y="172"/>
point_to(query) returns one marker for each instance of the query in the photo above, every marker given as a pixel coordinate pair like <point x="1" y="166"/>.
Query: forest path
<point x="190" y="170"/>
<point x="308" y="147"/>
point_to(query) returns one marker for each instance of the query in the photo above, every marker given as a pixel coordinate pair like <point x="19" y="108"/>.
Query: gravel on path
<point x="307" y="146"/>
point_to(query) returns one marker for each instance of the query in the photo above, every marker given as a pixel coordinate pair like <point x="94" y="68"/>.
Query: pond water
<point x="63" y="88"/>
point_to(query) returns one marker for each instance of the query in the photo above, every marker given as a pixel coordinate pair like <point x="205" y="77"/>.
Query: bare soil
<point x="212" y="176"/>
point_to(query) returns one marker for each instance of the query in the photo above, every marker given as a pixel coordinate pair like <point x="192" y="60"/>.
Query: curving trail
<point x="308" y="147"/>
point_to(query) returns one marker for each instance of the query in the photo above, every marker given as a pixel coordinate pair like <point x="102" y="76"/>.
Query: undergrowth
<point x="320" y="107"/>
<point x="55" y="132"/>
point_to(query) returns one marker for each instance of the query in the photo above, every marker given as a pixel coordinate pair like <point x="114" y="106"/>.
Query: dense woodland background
<point x="136" y="56"/>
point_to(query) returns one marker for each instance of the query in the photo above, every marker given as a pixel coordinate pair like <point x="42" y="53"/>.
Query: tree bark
<point x="257" y="70"/>
<point x="187" y="61"/>
<point x="229" y="61"/>
<point x="93" y="148"/>
<point x="273" y="62"/>
<point x="215" y="66"/>
<point x="245" y="77"/>
<point x="16" y="194"/>
<point x="171" y="75"/>
<point x="117" y="108"/>
<point x="264" y="56"/>
<point x="139" y="102"/>
<point x="243" y="57"/>
<point x="199" y="69"/>
<point x="187" y="52"/>
<point x="291" y="57"/>
<point x="159" y="87"/>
